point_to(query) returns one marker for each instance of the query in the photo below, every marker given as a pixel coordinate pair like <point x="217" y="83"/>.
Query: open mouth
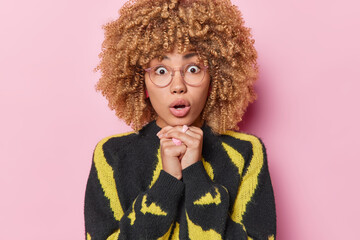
<point x="180" y="110"/>
<point x="178" y="107"/>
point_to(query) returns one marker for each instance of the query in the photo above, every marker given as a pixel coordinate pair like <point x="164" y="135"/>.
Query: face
<point x="178" y="103"/>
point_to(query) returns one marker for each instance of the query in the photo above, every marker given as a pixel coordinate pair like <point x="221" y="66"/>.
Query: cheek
<point x="205" y="93"/>
<point x="156" y="96"/>
<point x="201" y="98"/>
<point x="204" y="96"/>
<point x="206" y="89"/>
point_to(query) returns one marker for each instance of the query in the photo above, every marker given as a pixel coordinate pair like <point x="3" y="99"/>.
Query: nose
<point x="177" y="84"/>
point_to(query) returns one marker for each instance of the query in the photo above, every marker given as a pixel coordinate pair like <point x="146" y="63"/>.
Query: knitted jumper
<point x="226" y="195"/>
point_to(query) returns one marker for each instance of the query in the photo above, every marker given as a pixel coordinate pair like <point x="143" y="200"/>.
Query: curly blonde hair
<point x="147" y="29"/>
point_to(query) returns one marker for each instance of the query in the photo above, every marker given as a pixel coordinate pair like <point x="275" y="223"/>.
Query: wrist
<point x="185" y="165"/>
<point x="195" y="173"/>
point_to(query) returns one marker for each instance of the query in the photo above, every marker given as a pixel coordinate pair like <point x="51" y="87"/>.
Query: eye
<point x="161" y="70"/>
<point x="193" y="69"/>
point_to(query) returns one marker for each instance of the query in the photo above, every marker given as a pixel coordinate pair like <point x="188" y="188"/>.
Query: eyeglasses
<point x="162" y="75"/>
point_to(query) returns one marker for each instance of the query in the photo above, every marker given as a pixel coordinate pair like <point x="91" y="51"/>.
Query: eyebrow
<point x="187" y="56"/>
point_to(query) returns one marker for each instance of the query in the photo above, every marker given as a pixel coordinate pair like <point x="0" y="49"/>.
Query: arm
<point x="206" y="203"/>
<point x="150" y="215"/>
<point x="252" y="216"/>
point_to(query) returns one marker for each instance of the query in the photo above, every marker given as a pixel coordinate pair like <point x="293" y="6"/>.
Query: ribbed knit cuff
<point x="195" y="173"/>
<point x="167" y="187"/>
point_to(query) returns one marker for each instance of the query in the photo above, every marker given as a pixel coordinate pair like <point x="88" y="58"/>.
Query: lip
<point x="180" y="112"/>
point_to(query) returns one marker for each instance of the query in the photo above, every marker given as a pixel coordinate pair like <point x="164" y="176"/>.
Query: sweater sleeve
<point x="150" y="215"/>
<point x="252" y="216"/>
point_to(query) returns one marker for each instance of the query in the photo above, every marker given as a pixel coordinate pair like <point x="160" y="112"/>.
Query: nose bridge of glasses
<point x="177" y="69"/>
<point x="177" y="82"/>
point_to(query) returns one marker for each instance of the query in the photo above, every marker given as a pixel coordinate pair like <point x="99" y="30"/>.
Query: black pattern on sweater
<point x="227" y="195"/>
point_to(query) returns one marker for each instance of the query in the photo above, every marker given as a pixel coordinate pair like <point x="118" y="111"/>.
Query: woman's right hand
<point x="171" y="157"/>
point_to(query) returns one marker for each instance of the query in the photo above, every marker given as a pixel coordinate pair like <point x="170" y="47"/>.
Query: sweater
<point x="227" y="194"/>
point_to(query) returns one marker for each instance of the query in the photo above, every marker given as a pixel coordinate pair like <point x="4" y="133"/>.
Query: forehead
<point x="176" y="58"/>
<point x="183" y="56"/>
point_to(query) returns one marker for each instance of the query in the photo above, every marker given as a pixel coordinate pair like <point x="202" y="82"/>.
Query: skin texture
<point x="176" y="158"/>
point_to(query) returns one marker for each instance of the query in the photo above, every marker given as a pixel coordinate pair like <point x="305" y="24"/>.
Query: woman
<point x="181" y="73"/>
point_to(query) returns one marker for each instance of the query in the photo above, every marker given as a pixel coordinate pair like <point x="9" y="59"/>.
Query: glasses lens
<point x="160" y="75"/>
<point x="194" y="74"/>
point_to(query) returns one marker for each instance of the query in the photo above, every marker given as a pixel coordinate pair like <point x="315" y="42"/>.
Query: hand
<point x="171" y="156"/>
<point x="192" y="139"/>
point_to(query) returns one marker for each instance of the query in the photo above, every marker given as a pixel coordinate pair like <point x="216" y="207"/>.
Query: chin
<point x="179" y="122"/>
<point x="175" y="121"/>
<point x="183" y="121"/>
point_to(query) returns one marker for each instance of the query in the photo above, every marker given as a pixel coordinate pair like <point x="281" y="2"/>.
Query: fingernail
<point x="176" y="141"/>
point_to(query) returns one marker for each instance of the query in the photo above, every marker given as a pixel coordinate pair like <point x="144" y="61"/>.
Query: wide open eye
<point x="161" y="70"/>
<point x="193" y="69"/>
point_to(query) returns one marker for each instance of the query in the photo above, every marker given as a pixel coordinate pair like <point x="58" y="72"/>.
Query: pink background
<point x="307" y="113"/>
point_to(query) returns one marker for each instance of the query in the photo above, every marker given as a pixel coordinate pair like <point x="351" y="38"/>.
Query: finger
<point x="166" y="134"/>
<point x="166" y="142"/>
<point x="174" y="151"/>
<point x="185" y="138"/>
<point x="176" y="141"/>
<point x="197" y="135"/>
<point x="196" y="129"/>
<point x="164" y="130"/>
<point x="193" y="134"/>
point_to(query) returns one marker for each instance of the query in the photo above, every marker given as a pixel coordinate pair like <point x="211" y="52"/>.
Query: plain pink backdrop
<point x="307" y="113"/>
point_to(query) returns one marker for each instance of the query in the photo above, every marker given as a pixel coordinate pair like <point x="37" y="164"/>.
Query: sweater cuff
<point x="195" y="173"/>
<point x="167" y="186"/>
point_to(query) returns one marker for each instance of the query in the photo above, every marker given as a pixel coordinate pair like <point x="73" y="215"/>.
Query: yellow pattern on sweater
<point x="208" y="168"/>
<point x="106" y="177"/>
<point x="153" y="208"/>
<point x="167" y="234"/>
<point x="132" y="214"/>
<point x="250" y="180"/>
<point x="114" y="236"/>
<point x="157" y="169"/>
<point x="209" y="199"/>
<point x="196" y="232"/>
<point x="176" y="235"/>
<point x="235" y="157"/>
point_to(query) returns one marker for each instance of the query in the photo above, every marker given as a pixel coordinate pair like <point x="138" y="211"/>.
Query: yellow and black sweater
<point x="227" y="195"/>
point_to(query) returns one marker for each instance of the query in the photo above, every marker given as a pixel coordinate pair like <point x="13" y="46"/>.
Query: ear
<point x="146" y="93"/>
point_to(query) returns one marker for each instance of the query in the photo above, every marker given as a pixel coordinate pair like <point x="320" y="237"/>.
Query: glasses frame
<point x="173" y="70"/>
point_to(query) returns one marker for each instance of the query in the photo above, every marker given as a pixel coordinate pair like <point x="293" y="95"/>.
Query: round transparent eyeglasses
<point x="162" y="75"/>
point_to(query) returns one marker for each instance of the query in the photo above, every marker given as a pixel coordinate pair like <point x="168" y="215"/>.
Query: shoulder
<point x="113" y="145"/>
<point x="113" y="140"/>
<point x="248" y="144"/>
<point x="241" y="136"/>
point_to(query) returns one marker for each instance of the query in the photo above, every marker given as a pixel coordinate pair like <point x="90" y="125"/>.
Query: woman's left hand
<point x="192" y="139"/>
